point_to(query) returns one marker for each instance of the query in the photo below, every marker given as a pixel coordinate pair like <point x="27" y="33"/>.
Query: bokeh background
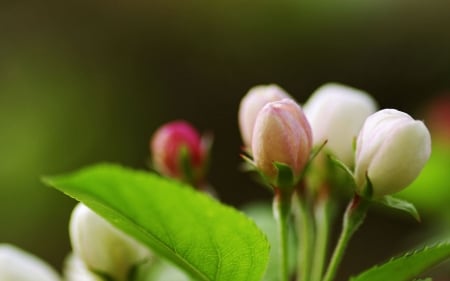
<point x="89" y="81"/>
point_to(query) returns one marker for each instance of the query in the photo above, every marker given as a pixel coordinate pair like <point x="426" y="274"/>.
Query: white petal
<point x="255" y="99"/>
<point x="336" y="113"/>
<point x="18" y="265"/>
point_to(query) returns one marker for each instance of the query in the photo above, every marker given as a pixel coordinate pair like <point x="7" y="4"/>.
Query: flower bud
<point x="336" y="114"/>
<point x="392" y="149"/>
<point x="18" y="265"/>
<point x="174" y="141"/>
<point x="76" y="270"/>
<point x="281" y="134"/>
<point x="252" y="103"/>
<point x="102" y="247"/>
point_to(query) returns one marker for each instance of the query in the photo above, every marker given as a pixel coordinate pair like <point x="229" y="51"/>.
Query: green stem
<point x="305" y="228"/>
<point x="282" y="210"/>
<point x="321" y="215"/>
<point x="353" y="218"/>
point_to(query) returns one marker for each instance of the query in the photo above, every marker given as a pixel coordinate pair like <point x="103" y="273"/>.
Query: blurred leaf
<point x="208" y="240"/>
<point x="408" y="266"/>
<point x="430" y="190"/>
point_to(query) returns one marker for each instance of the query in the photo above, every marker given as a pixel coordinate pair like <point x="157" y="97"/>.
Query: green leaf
<point x="400" y="204"/>
<point x="408" y="266"/>
<point x="208" y="240"/>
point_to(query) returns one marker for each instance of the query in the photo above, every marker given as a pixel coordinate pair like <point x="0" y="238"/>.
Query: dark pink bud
<point x="173" y="141"/>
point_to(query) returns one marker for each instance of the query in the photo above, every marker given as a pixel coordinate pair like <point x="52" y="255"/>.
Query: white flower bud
<point x="252" y="103"/>
<point x="76" y="270"/>
<point x="336" y="113"/>
<point x="281" y="134"/>
<point x="392" y="149"/>
<point x="18" y="265"/>
<point x="103" y="247"/>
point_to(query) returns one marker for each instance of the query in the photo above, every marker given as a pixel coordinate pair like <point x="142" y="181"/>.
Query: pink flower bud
<point x="391" y="151"/>
<point x="252" y="103"/>
<point x="167" y="146"/>
<point x="281" y="134"/>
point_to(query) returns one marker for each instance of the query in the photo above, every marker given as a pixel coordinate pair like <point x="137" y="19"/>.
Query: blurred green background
<point x="89" y="81"/>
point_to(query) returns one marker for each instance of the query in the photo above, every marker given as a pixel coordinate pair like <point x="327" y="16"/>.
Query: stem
<point x="322" y="218"/>
<point x="282" y="210"/>
<point x="353" y="218"/>
<point x="306" y="235"/>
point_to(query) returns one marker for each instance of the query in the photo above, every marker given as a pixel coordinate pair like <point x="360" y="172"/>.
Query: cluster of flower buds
<point x="179" y="152"/>
<point x="101" y="248"/>
<point x="392" y="148"/>
<point x="279" y="136"/>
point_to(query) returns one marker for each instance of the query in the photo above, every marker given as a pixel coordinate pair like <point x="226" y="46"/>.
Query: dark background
<point x="89" y="81"/>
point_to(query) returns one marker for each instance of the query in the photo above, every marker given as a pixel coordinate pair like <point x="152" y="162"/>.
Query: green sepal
<point x="248" y="165"/>
<point x="368" y="188"/>
<point x="131" y="275"/>
<point x="101" y="275"/>
<point x="400" y="204"/>
<point x="285" y="177"/>
<point x="191" y="174"/>
<point x="207" y="142"/>
<point x="135" y="270"/>
<point x="184" y="159"/>
<point x="315" y="151"/>
<point x="340" y="175"/>
<point x="340" y="164"/>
